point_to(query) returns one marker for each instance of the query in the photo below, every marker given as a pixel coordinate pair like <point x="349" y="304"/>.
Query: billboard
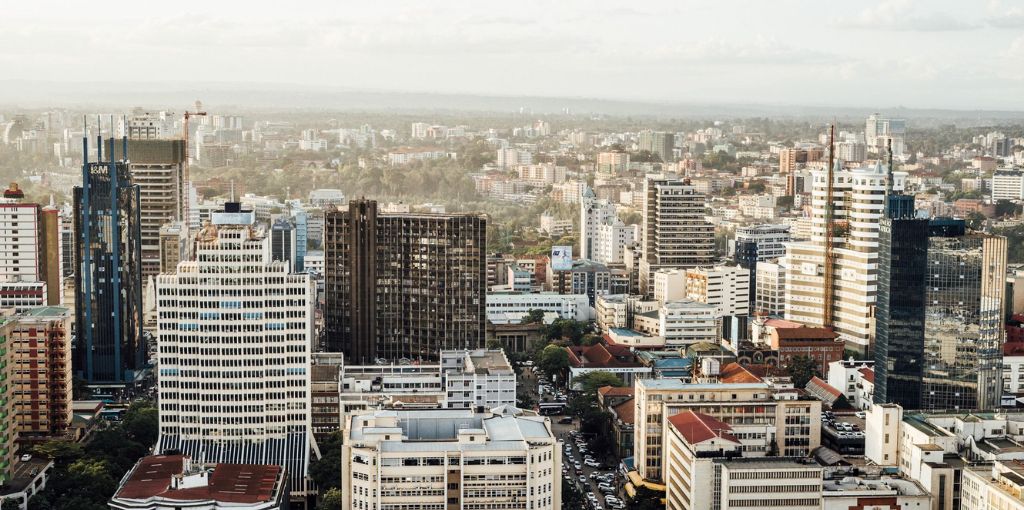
<point x="561" y="258"/>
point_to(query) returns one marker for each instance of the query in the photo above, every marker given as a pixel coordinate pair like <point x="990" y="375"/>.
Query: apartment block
<point x="30" y="252"/>
<point x="675" y="232"/>
<point x="40" y="340"/>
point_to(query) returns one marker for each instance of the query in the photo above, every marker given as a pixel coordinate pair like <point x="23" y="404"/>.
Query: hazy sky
<point x="914" y="53"/>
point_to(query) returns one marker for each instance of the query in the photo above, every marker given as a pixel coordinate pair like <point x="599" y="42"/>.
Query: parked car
<point x="565" y="421"/>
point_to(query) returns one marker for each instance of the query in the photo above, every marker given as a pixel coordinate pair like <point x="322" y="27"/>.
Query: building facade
<point x="30" y="253"/>
<point x="675" y="232"/>
<point x="403" y="285"/>
<point x="40" y="340"/>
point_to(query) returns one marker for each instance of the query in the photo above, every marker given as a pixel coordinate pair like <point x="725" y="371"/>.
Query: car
<point x="610" y="499"/>
<point x="860" y="414"/>
<point x="592" y="463"/>
<point x="27" y="457"/>
<point x="582" y="479"/>
<point x="577" y="465"/>
<point x="565" y="421"/>
<point x="591" y="496"/>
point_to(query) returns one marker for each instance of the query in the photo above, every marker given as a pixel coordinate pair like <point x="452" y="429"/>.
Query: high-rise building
<point x="727" y="288"/>
<point x="899" y="313"/>
<point x="403" y="284"/>
<point x="675" y="232"/>
<point x="235" y="335"/>
<point x="613" y="239"/>
<point x="769" y="289"/>
<point x="157" y="168"/>
<point x="858" y="198"/>
<point x="790" y="158"/>
<point x="1007" y="184"/>
<point x="301" y="221"/>
<point x="40" y="340"/>
<point x="109" y="346"/>
<point x="451" y="458"/>
<point x="173" y="246"/>
<point x="612" y="162"/>
<point x="282" y="242"/>
<point x="8" y="424"/>
<point x="593" y="214"/>
<point x="30" y="254"/>
<point x="659" y="143"/>
<point x="940" y="314"/>
<point x="768" y="240"/>
<point x="879" y="132"/>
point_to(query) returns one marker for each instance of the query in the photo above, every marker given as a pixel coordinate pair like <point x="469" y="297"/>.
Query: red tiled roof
<point x="626" y="411"/>
<point x="736" y="373"/>
<point x="805" y="333"/>
<point x="699" y="427"/>
<point x="828" y="388"/>
<point x="1013" y="349"/>
<point x="600" y="355"/>
<point x="612" y="391"/>
<point x="869" y="375"/>
<point x="228" y="483"/>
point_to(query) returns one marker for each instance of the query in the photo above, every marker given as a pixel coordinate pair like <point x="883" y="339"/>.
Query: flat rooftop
<point x="228" y="483"/>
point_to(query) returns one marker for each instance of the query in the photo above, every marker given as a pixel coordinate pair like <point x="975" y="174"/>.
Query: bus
<point x="551" y="408"/>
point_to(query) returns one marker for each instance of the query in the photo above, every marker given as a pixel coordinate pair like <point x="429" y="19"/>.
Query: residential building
<point x="30" y="252"/>
<point x="859" y="196"/>
<point x="612" y="162"/>
<point x="8" y="422"/>
<point x="851" y="151"/>
<point x="157" y="168"/>
<point x="510" y="158"/>
<point x="765" y="412"/>
<point x="323" y="197"/>
<point x="727" y="288"/>
<point x="658" y="143"/>
<point x="406" y="155"/>
<point x="1007" y="184"/>
<point x="234" y="377"/>
<point x="40" y="341"/>
<point x="615" y="311"/>
<point x="855" y="379"/>
<point x="675" y="232"/>
<point x="593" y="214"/>
<point x="109" y="346"/>
<point x="160" y="482"/>
<point x="377" y="306"/>
<point x="790" y="158"/>
<point x="438" y="459"/>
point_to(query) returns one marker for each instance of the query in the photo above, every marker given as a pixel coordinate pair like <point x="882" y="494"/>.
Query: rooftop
<point x="154" y="476"/>
<point x="47" y="311"/>
<point x="698" y="427"/>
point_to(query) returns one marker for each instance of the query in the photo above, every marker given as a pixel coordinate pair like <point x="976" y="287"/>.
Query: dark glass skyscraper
<point x="403" y="285"/>
<point x="109" y="347"/>
<point x="900" y="304"/>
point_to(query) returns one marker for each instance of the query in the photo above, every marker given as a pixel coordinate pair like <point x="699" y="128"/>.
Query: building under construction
<point x="403" y="285"/>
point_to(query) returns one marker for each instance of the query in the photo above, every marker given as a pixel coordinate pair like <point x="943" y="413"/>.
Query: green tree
<point x="141" y="422"/>
<point x="645" y="499"/>
<point x="554" y="360"/>
<point x="533" y="316"/>
<point x="10" y="504"/>
<point x="61" y="451"/>
<point x="801" y="369"/>
<point x="330" y="500"/>
<point x="326" y="471"/>
<point x="590" y="382"/>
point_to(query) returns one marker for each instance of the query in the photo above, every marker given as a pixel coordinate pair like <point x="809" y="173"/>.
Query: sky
<point x="965" y="54"/>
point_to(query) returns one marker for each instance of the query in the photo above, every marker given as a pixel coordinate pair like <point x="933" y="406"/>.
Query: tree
<point x="645" y="499"/>
<point x="10" y="504"/>
<point x="61" y="451"/>
<point x="326" y="471"/>
<point x="141" y="422"/>
<point x="330" y="500"/>
<point x="554" y="360"/>
<point x="801" y="369"/>
<point x="534" y="316"/>
<point x="590" y="382"/>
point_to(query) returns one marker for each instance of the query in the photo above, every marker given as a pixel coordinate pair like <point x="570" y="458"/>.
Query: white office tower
<point x="879" y="131"/>
<point x="858" y="197"/>
<point x="234" y="337"/>
<point x="612" y="241"/>
<point x="675" y="233"/>
<point x="727" y="288"/>
<point x="450" y="458"/>
<point x="593" y="214"/>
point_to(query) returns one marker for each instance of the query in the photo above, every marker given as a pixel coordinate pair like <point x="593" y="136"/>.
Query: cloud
<point x="766" y="50"/>
<point x="903" y="16"/>
<point x="1011" y="18"/>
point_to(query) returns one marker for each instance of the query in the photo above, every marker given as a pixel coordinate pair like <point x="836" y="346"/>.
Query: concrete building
<point x="859" y="195"/>
<point x="768" y="241"/>
<point x="658" y="143"/>
<point x="378" y="307"/>
<point x="727" y="288"/>
<point x="762" y="411"/>
<point x="680" y="323"/>
<point x="157" y="168"/>
<point x="174" y="246"/>
<point x="40" y="340"/>
<point x="451" y="459"/>
<point x="283" y="243"/>
<point x="30" y="253"/>
<point x="855" y="379"/>
<point x="613" y="239"/>
<point x="234" y="376"/>
<point x="555" y="227"/>
<point x="8" y="424"/>
<point x="505" y="306"/>
<point x="879" y="132"/>
<point x="669" y="285"/>
<point x="770" y="289"/>
<point x="708" y="466"/>
<point x="109" y="345"/>
<point x="593" y="214"/>
<point x="1007" y="184"/>
<point x="477" y="379"/>
<point x="612" y="162"/>
<point x="323" y="197"/>
<point x="162" y="482"/>
<point x="675" y="233"/>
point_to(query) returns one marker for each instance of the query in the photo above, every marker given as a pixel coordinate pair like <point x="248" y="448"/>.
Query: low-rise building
<point x="615" y="359"/>
<point x="502" y="305"/>
<point x="451" y="458"/>
<point x="855" y="378"/>
<point x="161" y="482"/>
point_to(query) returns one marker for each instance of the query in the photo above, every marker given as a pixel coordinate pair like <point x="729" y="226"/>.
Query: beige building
<point x="451" y="459"/>
<point x="765" y="412"/>
<point x="41" y="343"/>
<point x="727" y="288"/>
<point x="675" y="233"/>
<point x="859" y="196"/>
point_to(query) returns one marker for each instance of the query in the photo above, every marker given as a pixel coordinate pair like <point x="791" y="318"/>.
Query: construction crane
<point x="186" y="177"/>
<point x="830" y="232"/>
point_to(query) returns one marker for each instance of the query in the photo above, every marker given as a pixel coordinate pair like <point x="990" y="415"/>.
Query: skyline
<point x="881" y="55"/>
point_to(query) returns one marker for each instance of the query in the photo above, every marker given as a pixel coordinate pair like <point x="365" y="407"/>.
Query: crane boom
<point x="830" y="265"/>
